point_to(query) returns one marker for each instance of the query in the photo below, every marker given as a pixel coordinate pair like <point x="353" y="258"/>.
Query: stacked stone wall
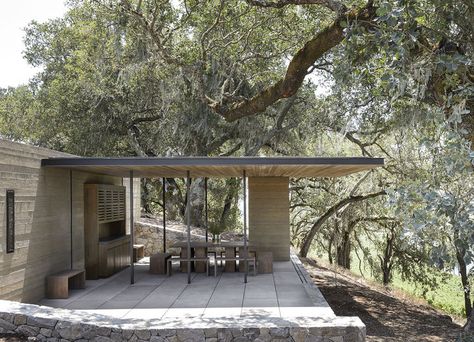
<point x="38" y="327"/>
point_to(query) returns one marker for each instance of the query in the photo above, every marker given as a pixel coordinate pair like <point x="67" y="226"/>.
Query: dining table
<point x="199" y="249"/>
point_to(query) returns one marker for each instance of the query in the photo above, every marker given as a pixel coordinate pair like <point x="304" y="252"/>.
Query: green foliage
<point x="222" y="192"/>
<point x="447" y="295"/>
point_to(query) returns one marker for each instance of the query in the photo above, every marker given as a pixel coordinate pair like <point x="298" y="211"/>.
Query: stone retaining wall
<point x="57" y="325"/>
<point x="149" y="232"/>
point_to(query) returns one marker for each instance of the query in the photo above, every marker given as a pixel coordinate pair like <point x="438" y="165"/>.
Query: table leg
<point x="184" y="264"/>
<point x="229" y="264"/>
<point x="200" y="266"/>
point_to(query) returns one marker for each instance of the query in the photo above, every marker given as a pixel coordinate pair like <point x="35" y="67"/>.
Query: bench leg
<point x="78" y="281"/>
<point x="57" y="288"/>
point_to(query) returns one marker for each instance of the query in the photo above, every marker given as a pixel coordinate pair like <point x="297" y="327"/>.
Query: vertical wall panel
<point x="269" y="215"/>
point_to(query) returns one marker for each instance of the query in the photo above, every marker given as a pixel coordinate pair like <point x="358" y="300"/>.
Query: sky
<point x="14" y="16"/>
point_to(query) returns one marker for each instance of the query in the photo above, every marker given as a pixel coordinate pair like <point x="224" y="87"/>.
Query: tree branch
<point x="297" y="69"/>
<point x="323" y="218"/>
<point x="232" y="150"/>
<point x="333" y="5"/>
<point x="136" y="121"/>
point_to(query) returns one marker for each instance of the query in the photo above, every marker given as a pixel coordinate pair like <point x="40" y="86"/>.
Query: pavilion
<point x="266" y="195"/>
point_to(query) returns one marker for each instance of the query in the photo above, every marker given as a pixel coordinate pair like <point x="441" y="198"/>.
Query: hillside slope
<point x="387" y="316"/>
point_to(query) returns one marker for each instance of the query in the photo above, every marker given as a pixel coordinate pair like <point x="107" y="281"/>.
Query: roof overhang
<point x="218" y="166"/>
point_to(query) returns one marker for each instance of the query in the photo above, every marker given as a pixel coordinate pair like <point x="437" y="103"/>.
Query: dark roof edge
<point x="208" y="161"/>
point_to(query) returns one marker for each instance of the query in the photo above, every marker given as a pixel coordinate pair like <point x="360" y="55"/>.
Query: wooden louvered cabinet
<point x="107" y="247"/>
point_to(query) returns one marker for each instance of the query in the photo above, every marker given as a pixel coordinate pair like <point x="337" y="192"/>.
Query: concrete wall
<point x="269" y="215"/>
<point x="42" y="220"/>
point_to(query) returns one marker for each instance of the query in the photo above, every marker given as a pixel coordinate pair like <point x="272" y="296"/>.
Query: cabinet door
<point x="125" y="260"/>
<point x="126" y="254"/>
<point x="118" y="253"/>
<point x="110" y="261"/>
<point x="118" y="261"/>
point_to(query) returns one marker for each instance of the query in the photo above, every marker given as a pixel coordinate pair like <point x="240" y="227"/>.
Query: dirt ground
<point x="14" y="338"/>
<point x="386" y="316"/>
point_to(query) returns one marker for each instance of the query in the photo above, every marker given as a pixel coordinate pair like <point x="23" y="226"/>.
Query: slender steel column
<point x="132" y="266"/>
<point x="188" y="221"/>
<point x="164" y="215"/>
<point x="70" y="216"/>
<point x="205" y="209"/>
<point x="245" y="228"/>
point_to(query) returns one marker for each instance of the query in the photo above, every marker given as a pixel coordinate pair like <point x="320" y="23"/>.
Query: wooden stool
<point x="265" y="262"/>
<point x="252" y="256"/>
<point x="158" y="263"/>
<point x="138" y="252"/>
<point x="57" y="285"/>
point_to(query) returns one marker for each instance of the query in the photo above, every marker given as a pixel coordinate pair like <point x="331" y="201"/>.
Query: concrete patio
<point x="283" y="306"/>
<point x="285" y="294"/>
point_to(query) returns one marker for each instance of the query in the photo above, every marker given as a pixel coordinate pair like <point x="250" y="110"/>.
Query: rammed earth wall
<point x="49" y="237"/>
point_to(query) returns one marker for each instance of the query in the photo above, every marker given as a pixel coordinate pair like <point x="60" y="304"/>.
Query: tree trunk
<point x="460" y="253"/>
<point x="469" y="327"/>
<point x="146" y="196"/>
<point x="197" y="202"/>
<point x="232" y="187"/>
<point x="386" y="261"/>
<point x="175" y="201"/>
<point x="343" y="251"/>
<point x="330" y="250"/>
<point x="308" y="239"/>
<point x="386" y="277"/>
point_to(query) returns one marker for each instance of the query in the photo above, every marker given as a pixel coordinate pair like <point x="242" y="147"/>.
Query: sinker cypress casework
<point x="106" y="242"/>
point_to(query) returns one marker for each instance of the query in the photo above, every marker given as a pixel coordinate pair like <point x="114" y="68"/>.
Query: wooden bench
<point x="58" y="284"/>
<point x="265" y="262"/>
<point x="138" y="252"/>
<point x="158" y="263"/>
<point x="186" y="260"/>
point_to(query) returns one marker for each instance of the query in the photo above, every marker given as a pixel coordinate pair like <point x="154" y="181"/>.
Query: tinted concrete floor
<point x="283" y="294"/>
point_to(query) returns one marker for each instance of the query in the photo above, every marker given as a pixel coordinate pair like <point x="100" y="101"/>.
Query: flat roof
<point x="217" y="166"/>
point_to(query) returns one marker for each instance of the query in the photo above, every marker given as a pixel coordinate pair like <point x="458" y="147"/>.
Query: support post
<point x="132" y="267"/>
<point x="164" y="215"/>
<point x="70" y="217"/>
<point x="245" y="228"/>
<point x="206" y="209"/>
<point x="188" y="222"/>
